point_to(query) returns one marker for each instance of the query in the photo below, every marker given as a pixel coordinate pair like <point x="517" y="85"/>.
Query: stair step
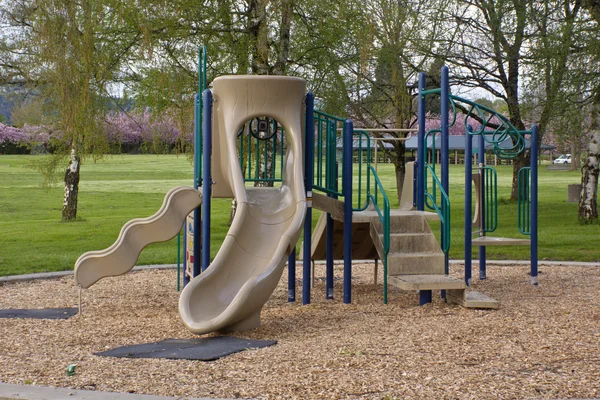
<point x="415" y="263"/>
<point x="426" y="282"/>
<point x="411" y="223"/>
<point x="471" y="299"/>
<point x="413" y="242"/>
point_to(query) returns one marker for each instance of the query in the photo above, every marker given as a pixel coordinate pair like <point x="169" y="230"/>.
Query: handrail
<point x="443" y="210"/>
<point x="384" y="217"/>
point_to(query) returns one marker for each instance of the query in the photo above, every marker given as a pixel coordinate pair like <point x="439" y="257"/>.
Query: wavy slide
<point x="230" y="294"/>
<point x="136" y="234"/>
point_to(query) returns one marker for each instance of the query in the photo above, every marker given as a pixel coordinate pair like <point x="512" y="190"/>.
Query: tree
<point x="70" y="51"/>
<point x="588" y="205"/>
<point x="392" y="43"/>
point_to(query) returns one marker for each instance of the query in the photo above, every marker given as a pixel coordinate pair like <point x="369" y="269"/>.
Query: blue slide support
<point x="309" y="166"/>
<point x="347" y="188"/>
<point x="206" y="182"/>
<point x="482" y="183"/>
<point x="533" y="152"/>
<point x="468" y="204"/>
<point x="292" y="276"/>
<point x="421" y="146"/>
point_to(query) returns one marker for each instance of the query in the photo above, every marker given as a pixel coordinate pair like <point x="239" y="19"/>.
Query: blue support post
<point x="347" y="188"/>
<point x="198" y="150"/>
<point x="421" y="146"/>
<point x="292" y="276"/>
<point x="468" y="204"/>
<point x="206" y="182"/>
<point x="482" y="183"/>
<point x="425" y="297"/>
<point x="533" y="152"/>
<point x="309" y="164"/>
<point x="444" y="109"/>
<point x="186" y="278"/>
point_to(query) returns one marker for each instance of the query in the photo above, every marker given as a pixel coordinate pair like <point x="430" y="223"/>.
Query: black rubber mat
<point x="41" y="313"/>
<point x="204" y="349"/>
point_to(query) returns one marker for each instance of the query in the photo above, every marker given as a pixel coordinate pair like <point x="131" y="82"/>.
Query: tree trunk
<point x="399" y="166"/>
<point x="522" y="160"/>
<point x="575" y="158"/>
<point x="588" y="203"/>
<point x="69" y="211"/>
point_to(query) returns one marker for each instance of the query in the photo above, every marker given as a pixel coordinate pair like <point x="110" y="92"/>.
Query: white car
<point x="563" y="159"/>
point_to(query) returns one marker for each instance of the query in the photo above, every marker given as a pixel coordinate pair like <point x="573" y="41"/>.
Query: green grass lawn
<point x="119" y="188"/>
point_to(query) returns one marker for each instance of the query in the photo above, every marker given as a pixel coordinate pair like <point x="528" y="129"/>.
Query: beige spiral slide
<point x="136" y="234"/>
<point x="230" y="294"/>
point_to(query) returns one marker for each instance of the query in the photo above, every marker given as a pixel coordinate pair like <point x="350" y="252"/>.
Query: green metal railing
<point x="262" y="160"/>
<point x="326" y="128"/>
<point x="442" y="208"/>
<point x="432" y="187"/>
<point x="382" y="208"/>
<point x="524" y="200"/>
<point x="490" y="190"/>
<point x="501" y="128"/>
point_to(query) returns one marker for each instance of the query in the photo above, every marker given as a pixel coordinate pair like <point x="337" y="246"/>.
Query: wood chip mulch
<point x="543" y="342"/>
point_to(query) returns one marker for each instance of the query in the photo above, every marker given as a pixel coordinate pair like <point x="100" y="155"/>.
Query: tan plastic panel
<point x="230" y="294"/>
<point x="136" y="234"/>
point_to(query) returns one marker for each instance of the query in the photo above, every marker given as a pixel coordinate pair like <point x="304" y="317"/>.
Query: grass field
<point x="119" y="188"/>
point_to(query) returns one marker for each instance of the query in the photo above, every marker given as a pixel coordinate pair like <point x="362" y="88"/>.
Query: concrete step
<point x="409" y="223"/>
<point x="415" y="263"/>
<point x="426" y="282"/>
<point x="413" y="243"/>
<point x="471" y="299"/>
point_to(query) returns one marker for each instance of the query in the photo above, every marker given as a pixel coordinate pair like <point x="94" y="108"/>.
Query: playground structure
<point x="265" y="129"/>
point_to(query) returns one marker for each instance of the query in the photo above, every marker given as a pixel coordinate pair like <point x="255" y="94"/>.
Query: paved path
<point x="29" y="392"/>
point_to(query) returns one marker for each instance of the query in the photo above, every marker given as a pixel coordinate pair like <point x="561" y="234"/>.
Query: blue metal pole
<point x="292" y="276"/>
<point x="198" y="150"/>
<point x="425" y="297"/>
<point x="482" y="183"/>
<point x="186" y="278"/>
<point x="347" y="188"/>
<point x="444" y="109"/>
<point x="309" y="164"/>
<point x="206" y="181"/>
<point x="533" y="155"/>
<point x="468" y="204"/>
<point x="421" y="146"/>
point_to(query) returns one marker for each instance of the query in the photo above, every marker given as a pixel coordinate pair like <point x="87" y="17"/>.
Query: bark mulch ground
<point x="543" y="342"/>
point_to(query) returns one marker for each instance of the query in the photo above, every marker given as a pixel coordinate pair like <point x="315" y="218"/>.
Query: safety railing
<point x="490" y="192"/>
<point x="329" y="149"/>
<point x="506" y="140"/>
<point x="524" y="200"/>
<point x="381" y="203"/>
<point x="262" y="160"/>
<point x="326" y="143"/>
